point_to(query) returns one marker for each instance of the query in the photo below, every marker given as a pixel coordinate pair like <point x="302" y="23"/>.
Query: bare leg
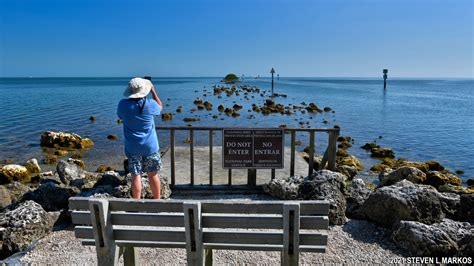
<point x="136" y="186"/>
<point x="154" y="179"/>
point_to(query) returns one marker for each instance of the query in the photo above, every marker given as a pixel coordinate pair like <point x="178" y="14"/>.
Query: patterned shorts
<point x="138" y="164"/>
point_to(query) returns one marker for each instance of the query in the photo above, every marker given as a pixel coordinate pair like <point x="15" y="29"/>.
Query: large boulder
<point x="14" y="172"/>
<point x="357" y="193"/>
<point x="438" y="178"/>
<point x="17" y="190"/>
<point x="5" y="198"/>
<point x="284" y="188"/>
<point x="450" y="203"/>
<point x="403" y="201"/>
<point x="32" y="166"/>
<point x="327" y="185"/>
<point x="411" y="174"/>
<point x="70" y="173"/>
<point x="65" y="140"/>
<point x="50" y="196"/>
<point x="23" y="225"/>
<point x="466" y="208"/>
<point x="110" y="178"/>
<point x="447" y="238"/>
<point x="349" y="160"/>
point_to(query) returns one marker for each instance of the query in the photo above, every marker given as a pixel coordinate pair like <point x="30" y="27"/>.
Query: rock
<point x="16" y="190"/>
<point x="63" y="139"/>
<point x="14" y="172"/>
<point x="110" y="178"/>
<point x="50" y="159"/>
<point x="455" y="189"/>
<point x="403" y="201"/>
<point x="119" y="121"/>
<point x="349" y="171"/>
<point x="344" y="145"/>
<point x="104" y="168"/>
<point x="423" y="240"/>
<point x="436" y="179"/>
<point x="220" y="108"/>
<point x="6" y="161"/>
<point x="313" y="108"/>
<point x="32" y="166"/>
<point x="50" y="196"/>
<point x="434" y="166"/>
<point x="284" y="188"/>
<point x="22" y="226"/>
<point x="77" y="162"/>
<point x="166" y="116"/>
<point x="470" y="182"/>
<point x="92" y="118"/>
<point x="370" y="146"/>
<point x="358" y="192"/>
<point x="342" y="153"/>
<point x="70" y="173"/>
<point x="327" y="185"/>
<point x="61" y="153"/>
<point x="198" y="101"/>
<point x="208" y="105"/>
<point x="450" y="203"/>
<point x="179" y="110"/>
<point x="411" y="174"/>
<point x="237" y="106"/>
<point x="112" y="137"/>
<point x="351" y="161"/>
<point x="191" y="119"/>
<point x="382" y="153"/>
<point x="5" y="198"/>
<point x="327" y="109"/>
<point x="466" y="208"/>
<point x="316" y="160"/>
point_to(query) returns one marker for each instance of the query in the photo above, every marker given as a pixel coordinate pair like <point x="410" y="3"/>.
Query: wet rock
<point x="70" y="173"/>
<point x="466" y="208"/>
<point x="459" y="172"/>
<point x="382" y="153"/>
<point x="436" y="179"/>
<point x="92" y="118"/>
<point x="351" y="161"/>
<point x="5" y="198"/>
<point x="200" y="107"/>
<point x="208" y="105"/>
<point x="313" y="108"/>
<point x="284" y="188"/>
<point x="221" y="108"/>
<point x="470" y="182"/>
<point x="32" y="166"/>
<point x="77" y="162"/>
<point x="403" y="201"/>
<point x="349" y="171"/>
<point x="411" y="174"/>
<point x="22" y="226"/>
<point x="344" y="145"/>
<point x="61" y="153"/>
<point x="198" y="101"/>
<point x="327" y="185"/>
<point x="66" y="140"/>
<point x="14" y="172"/>
<point x="179" y="109"/>
<point x="237" y="106"/>
<point x="317" y="159"/>
<point x="434" y="166"/>
<point x="327" y="109"/>
<point x="191" y="119"/>
<point x="112" y="137"/>
<point x="370" y="146"/>
<point x="342" y="153"/>
<point x="455" y="189"/>
<point x="358" y="192"/>
<point x="51" y="196"/>
<point x="104" y="168"/>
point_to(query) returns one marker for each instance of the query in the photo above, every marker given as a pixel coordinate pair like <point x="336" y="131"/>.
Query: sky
<point x="299" y="38"/>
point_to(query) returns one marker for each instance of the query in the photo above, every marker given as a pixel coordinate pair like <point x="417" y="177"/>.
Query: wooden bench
<point x="119" y="226"/>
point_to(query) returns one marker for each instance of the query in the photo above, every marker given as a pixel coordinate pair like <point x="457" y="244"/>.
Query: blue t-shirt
<point x="139" y="129"/>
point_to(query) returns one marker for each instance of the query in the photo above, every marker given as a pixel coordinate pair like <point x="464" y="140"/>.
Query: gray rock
<point x="111" y="178"/>
<point x="33" y="166"/>
<point x="23" y="225"/>
<point x="450" y="203"/>
<point x="358" y="192"/>
<point x="447" y="238"/>
<point x="284" y="188"/>
<point x="70" y="174"/>
<point x="50" y="196"/>
<point x="411" y="174"/>
<point x="5" y="198"/>
<point x="466" y="208"/>
<point x="17" y="190"/>
<point x="349" y="171"/>
<point x="403" y="201"/>
<point x="327" y="185"/>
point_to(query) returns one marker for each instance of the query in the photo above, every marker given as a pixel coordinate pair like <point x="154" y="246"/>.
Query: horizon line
<point x="246" y="77"/>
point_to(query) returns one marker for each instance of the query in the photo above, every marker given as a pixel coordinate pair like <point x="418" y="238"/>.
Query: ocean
<point x="420" y="119"/>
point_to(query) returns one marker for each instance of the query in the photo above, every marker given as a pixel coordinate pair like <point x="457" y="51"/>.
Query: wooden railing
<point x="329" y="157"/>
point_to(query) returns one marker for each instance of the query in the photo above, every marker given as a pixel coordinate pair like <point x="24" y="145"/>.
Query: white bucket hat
<point x="137" y="88"/>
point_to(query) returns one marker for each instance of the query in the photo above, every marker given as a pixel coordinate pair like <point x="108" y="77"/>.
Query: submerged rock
<point x="112" y="137"/>
<point x="403" y="201"/>
<point x="66" y="140"/>
<point x="191" y="119"/>
<point x="22" y="226"/>
<point x="14" y="172"/>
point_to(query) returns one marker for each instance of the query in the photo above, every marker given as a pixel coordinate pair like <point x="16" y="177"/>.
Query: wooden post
<point x="229" y="177"/>
<point x="385" y="71"/>
<point x="107" y="251"/>
<point x="172" y="161"/>
<point x="311" y="153"/>
<point x="252" y="177"/>
<point x="291" y="233"/>
<point x="191" y="154"/>
<point x="332" y="146"/>
<point x="193" y="233"/>
<point x="210" y="158"/>
<point x="272" y="72"/>
<point x="292" y="156"/>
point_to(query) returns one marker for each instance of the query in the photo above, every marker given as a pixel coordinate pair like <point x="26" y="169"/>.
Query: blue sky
<point x="319" y="38"/>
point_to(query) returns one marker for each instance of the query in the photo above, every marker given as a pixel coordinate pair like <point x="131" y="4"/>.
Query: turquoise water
<point x="420" y="119"/>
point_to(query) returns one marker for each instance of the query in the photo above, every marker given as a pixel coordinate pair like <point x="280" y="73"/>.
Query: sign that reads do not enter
<point x="253" y="148"/>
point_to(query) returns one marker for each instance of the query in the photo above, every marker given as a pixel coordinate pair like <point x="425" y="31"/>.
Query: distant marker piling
<point x="385" y="71"/>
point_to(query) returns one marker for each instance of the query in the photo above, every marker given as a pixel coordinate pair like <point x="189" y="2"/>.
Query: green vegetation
<point x="231" y="78"/>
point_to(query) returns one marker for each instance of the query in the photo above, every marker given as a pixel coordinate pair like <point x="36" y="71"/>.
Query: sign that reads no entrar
<point x="252" y="148"/>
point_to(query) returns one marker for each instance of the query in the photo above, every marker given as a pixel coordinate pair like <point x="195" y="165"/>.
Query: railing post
<point x="193" y="233"/>
<point x="191" y="152"/>
<point x="210" y="157"/>
<point x="252" y="177"/>
<point x="332" y="146"/>
<point x="172" y="161"/>
<point x="292" y="156"/>
<point x="106" y="249"/>
<point x="291" y="233"/>
<point x="311" y="153"/>
<point x="229" y="177"/>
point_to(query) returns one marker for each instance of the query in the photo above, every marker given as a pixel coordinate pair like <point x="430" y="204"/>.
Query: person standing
<point x="141" y="141"/>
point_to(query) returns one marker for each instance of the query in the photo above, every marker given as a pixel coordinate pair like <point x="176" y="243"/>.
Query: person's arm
<point x="155" y="96"/>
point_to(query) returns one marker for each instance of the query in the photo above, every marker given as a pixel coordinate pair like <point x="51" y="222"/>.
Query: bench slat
<point x="313" y="239"/>
<point x="136" y="234"/>
<point x="143" y="244"/>
<point x="237" y="237"/>
<point x="136" y="219"/>
<point x="250" y="247"/>
<point x="314" y="249"/>
<point x="314" y="222"/>
<point x="236" y="221"/>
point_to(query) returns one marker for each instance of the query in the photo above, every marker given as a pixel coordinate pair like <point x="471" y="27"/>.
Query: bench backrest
<point x="213" y="224"/>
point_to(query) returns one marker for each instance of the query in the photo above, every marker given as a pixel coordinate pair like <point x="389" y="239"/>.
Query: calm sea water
<point x="420" y="119"/>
